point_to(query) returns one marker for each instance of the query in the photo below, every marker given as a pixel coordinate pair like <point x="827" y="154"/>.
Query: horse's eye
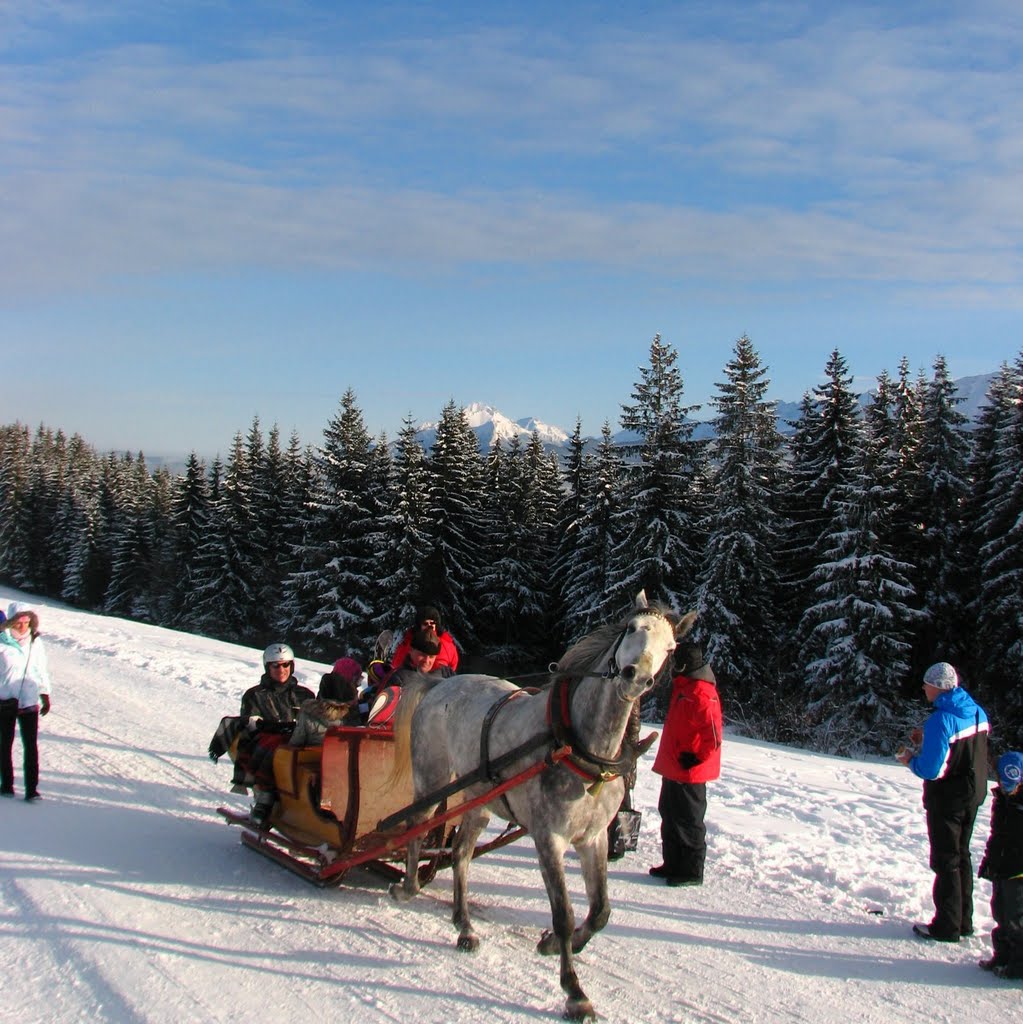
<point x="632" y="628"/>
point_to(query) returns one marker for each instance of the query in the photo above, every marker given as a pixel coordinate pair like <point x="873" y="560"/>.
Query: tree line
<point x="829" y="564"/>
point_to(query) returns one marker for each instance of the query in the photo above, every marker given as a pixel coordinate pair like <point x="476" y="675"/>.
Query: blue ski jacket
<point x="953" y="756"/>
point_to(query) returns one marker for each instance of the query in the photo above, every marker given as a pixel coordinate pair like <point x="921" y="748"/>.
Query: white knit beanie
<point x="942" y="676"/>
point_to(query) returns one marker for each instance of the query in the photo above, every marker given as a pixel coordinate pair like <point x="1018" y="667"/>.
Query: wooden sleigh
<point x="335" y="810"/>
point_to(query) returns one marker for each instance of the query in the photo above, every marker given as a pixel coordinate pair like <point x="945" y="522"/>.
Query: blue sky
<point x="211" y="211"/>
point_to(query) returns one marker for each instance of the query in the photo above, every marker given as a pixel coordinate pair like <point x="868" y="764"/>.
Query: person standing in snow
<point x="23" y="677"/>
<point x="953" y="764"/>
<point x="1003" y="867"/>
<point x="689" y="756"/>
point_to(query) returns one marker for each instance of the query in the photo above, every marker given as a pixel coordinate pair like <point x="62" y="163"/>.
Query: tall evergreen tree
<point x="457" y="516"/>
<point x="943" y="458"/>
<point x="858" y="632"/>
<point x="330" y="595"/>
<point x="190" y="518"/>
<point x="590" y="589"/>
<point x="404" y="536"/>
<point x="825" y="450"/>
<point x="999" y="603"/>
<point x="662" y="544"/>
<point x="738" y="593"/>
<point x="132" y="543"/>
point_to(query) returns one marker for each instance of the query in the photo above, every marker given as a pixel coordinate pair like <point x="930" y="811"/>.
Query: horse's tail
<point x="411" y="695"/>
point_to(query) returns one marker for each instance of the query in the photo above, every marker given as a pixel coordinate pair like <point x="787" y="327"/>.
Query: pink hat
<point x="348" y="669"/>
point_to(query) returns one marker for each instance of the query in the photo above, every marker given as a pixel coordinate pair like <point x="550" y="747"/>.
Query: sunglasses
<point x="289" y="665"/>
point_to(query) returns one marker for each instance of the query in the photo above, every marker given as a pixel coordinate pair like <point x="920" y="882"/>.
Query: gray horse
<point x="444" y="729"/>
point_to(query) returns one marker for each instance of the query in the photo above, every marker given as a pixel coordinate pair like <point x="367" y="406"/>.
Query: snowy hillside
<point x="125" y="899"/>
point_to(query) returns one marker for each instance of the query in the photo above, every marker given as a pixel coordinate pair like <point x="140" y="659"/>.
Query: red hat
<point x="348" y="669"/>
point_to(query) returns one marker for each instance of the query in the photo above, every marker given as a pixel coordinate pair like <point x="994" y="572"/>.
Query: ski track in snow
<point x="125" y="898"/>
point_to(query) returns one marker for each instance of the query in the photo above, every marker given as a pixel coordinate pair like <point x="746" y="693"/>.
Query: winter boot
<point x="262" y="807"/>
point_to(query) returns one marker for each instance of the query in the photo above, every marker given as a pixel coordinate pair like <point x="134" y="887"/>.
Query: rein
<point x="559" y="718"/>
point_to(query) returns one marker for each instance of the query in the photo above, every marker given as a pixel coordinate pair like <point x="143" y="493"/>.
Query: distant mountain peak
<point x="490" y="425"/>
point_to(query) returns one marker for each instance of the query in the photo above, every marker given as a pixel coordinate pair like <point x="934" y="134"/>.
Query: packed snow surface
<point x="125" y="898"/>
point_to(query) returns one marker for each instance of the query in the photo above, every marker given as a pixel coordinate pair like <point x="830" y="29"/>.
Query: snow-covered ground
<point x="125" y="898"/>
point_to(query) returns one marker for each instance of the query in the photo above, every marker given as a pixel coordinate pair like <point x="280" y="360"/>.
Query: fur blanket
<point x="315" y="717"/>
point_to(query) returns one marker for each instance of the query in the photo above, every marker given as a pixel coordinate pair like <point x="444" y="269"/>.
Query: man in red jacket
<point x="689" y="756"/>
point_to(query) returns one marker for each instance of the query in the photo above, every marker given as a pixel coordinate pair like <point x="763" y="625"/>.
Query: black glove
<point x="688" y="759"/>
<point x="45" y="701"/>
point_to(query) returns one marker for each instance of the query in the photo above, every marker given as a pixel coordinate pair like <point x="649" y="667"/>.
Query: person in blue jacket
<point x="952" y="761"/>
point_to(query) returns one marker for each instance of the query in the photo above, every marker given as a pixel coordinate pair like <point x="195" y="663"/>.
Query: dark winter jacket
<point x="274" y="702"/>
<point x="953" y="756"/>
<point x="1003" y="855"/>
<point x="692" y="727"/>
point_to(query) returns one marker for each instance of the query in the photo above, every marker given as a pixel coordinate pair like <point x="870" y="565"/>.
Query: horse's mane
<point x="583" y="653"/>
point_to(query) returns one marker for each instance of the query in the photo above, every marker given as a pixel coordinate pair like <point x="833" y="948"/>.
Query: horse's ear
<point x="685" y="624"/>
<point x="641" y="601"/>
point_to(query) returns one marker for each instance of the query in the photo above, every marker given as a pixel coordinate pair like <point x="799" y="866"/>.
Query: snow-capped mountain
<point x="489" y="425"/>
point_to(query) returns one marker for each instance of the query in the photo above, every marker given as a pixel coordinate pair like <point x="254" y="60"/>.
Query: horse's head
<point x="647" y="640"/>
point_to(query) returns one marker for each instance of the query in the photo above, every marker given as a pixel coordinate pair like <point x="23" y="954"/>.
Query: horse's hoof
<point x="579" y="1009"/>
<point x="468" y="943"/>
<point x="399" y="893"/>
<point x="548" y="944"/>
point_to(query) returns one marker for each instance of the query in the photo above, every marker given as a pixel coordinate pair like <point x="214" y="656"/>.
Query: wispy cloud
<point x="821" y="147"/>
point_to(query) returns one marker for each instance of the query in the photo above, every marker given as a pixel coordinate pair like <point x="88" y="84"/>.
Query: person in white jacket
<point x="25" y="678"/>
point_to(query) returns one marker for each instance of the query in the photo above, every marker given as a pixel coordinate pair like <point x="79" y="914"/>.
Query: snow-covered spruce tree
<point x="190" y="521"/>
<point x="227" y="564"/>
<point x="403" y="535"/>
<point x="590" y="592"/>
<point x="738" y="593"/>
<point x="41" y="558"/>
<point x="939" y="503"/>
<point x="576" y="481"/>
<point x="858" y="632"/>
<point x="79" y="522"/>
<point x="330" y="600"/>
<point x="264" y="493"/>
<point x="15" y="448"/>
<point x="666" y="488"/>
<point x="823" y="455"/>
<point x="279" y="492"/>
<point x="905" y="428"/>
<point x="515" y="587"/>
<point x="132" y="543"/>
<point x="455" y="510"/>
<point x="998" y="647"/>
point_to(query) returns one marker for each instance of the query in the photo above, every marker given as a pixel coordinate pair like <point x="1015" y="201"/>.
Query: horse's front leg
<point x="551" y="851"/>
<point x="461" y="855"/>
<point x="593" y="860"/>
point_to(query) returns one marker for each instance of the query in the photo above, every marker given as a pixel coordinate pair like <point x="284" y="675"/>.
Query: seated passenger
<point x="428" y="618"/>
<point x="420" y="660"/>
<point x="342" y="682"/>
<point x="421" y="657"/>
<point x="268" y="711"/>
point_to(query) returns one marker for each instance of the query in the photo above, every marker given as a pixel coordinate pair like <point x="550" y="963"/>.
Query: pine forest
<point x="830" y="562"/>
